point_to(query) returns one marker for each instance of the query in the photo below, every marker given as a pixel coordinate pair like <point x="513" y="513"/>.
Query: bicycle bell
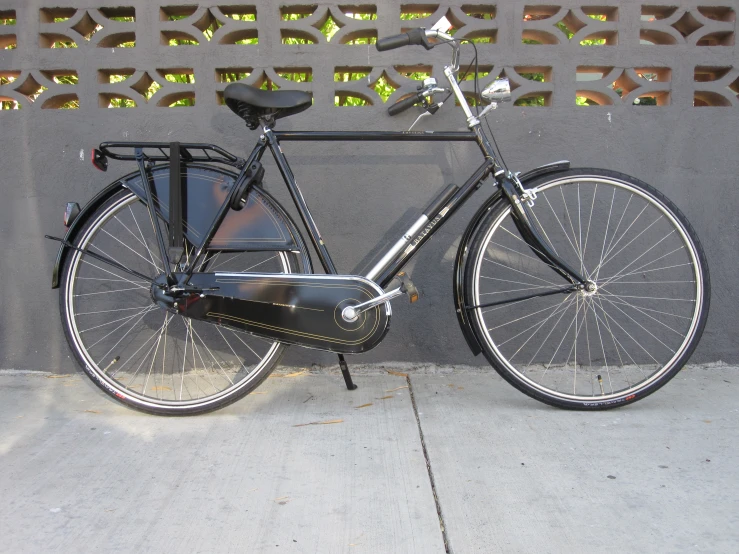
<point x="429" y="83"/>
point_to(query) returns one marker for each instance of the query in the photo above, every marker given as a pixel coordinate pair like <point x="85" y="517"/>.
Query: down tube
<point x="437" y="221"/>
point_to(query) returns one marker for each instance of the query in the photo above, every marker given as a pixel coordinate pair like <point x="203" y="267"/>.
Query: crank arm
<point x="351" y="313"/>
<point x="103" y="259"/>
<point x="565" y="290"/>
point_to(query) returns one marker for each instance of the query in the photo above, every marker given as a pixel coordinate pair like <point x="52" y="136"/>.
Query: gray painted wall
<point x="365" y="194"/>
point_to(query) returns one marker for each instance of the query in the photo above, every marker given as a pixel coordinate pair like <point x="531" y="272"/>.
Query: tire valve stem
<point x="600" y="382"/>
<point x="111" y="364"/>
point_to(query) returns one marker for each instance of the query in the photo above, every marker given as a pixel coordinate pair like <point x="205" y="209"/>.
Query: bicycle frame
<point x="435" y="214"/>
<point x="189" y="201"/>
<point x="391" y="261"/>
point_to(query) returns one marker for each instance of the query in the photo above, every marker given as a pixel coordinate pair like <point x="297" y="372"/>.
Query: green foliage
<point x="345" y="100"/>
<point x="8" y="104"/>
<point x="242" y="16"/>
<point x="232" y="77"/>
<point x="64" y="44"/>
<point x="532" y="100"/>
<point x="209" y="31"/>
<point x="121" y="103"/>
<point x="411" y="16"/>
<point x="297" y="76"/>
<point x="7" y="21"/>
<point x="587" y="42"/>
<point x="182" y="78"/>
<point x="66" y="79"/>
<point x="71" y="105"/>
<point x="329" y="28"/>
<point x="363" y="16"/>
<point x="182" y="42"/>
<point x="384" y="88"/>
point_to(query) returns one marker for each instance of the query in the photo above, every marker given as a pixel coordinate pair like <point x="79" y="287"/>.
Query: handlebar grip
<point x="390" y="43"/>
<point x="404" y="104"/>
<point x="414" y="36"/>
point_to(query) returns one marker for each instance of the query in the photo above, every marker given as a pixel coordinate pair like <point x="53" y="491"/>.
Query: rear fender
<point x="460" y="262"/>
<point x="262" y="224"/>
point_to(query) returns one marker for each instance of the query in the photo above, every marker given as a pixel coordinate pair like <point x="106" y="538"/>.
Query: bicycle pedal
<point x="407" y="286"/>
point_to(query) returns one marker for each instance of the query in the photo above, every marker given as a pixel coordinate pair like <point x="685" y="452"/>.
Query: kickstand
<point x="345" y="372"/>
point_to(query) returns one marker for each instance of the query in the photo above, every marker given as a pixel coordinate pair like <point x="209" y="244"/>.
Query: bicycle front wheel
<point x="617" y="341"/>
<point x="140" y="354"/>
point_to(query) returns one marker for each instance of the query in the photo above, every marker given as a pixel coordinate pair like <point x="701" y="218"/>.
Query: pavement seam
<point x="439" y="513"/>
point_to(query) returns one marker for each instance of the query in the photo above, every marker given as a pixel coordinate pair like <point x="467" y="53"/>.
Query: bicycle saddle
<point x="251" y="103"/>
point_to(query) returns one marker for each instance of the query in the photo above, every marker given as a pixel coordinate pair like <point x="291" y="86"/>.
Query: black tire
<point x="200" y="367"/>
<point x="590" y="349"/>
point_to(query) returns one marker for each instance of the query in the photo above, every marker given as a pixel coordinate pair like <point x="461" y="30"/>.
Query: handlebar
<point x="414" y="36"/>
<point x="404" y="104"/>
<point x="418" y="36"/>
<point x="421" y="37"/>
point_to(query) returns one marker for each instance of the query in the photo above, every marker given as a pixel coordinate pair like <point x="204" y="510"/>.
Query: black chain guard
<point x="296" y="309"/>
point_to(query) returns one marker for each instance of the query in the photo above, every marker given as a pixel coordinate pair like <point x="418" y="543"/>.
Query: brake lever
<point x="431" y="109"/>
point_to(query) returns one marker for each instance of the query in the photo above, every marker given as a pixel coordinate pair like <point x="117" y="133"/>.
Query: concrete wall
<point x="359" y="192"/>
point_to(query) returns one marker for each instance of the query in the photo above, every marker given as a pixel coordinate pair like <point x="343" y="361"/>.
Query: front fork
<point x="519" y="197"/>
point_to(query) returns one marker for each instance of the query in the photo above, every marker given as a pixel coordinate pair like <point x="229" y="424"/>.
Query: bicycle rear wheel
<point x="140" y="354"/>
<point x="599" y="348"/>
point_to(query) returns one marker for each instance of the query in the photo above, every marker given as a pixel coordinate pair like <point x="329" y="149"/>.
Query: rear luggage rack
<point x="160" y="152"/>
<point x="145" y="154"/>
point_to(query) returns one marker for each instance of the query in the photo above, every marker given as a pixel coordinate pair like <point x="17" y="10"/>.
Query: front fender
<point x="460" y="262"/>
<point x="262" y="224"/>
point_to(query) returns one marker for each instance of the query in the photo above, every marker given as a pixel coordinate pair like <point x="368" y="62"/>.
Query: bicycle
<point x="183" y="281"/>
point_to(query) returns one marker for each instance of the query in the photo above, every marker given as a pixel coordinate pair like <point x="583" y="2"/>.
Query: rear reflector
<point x="99" y="160"/>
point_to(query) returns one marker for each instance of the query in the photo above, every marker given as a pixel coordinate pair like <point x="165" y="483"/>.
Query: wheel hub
<point x="161" y="295"/>
<point x="589" y="289"/>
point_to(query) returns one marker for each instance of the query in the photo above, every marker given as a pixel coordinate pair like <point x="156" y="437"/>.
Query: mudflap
<point x="297" y="309"/>
<point x="460" y="262"/>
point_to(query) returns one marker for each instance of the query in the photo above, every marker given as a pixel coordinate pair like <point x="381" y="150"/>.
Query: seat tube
<point x="297" y="195"/>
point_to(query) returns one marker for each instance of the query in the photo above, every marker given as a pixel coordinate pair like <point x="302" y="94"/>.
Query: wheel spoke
<point x="522" y="272"/>
<point x="111" y="273"/>
<point x="612" y="338"/>
<point x="642" y="311"/>
<point x="115" y="320"/>
<point x="567" y="236"/>
<point x="152" y="362"/>
<point x="620" y="273"/>
<point x="541" y="344"/>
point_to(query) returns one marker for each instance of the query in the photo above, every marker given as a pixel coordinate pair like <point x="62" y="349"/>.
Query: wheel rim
<point x="141" y="352"/>
<point x="628" y="244"/>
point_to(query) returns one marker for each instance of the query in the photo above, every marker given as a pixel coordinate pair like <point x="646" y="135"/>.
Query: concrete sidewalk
<point x="505" y="474"/>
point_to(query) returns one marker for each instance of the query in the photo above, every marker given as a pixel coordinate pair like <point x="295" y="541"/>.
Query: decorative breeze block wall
<point x="152" y="55"/>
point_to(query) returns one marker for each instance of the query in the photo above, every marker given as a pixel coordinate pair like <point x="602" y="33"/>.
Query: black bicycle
<point x="182" y="282"/>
